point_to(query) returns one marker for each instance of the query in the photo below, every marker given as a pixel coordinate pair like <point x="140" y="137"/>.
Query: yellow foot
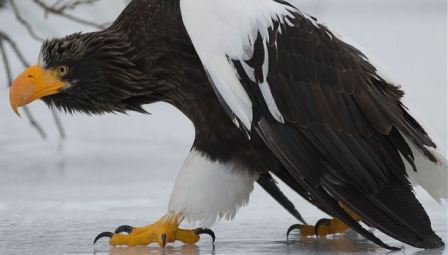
<point x="166" y="230"/>
<point x="324" y="227"/>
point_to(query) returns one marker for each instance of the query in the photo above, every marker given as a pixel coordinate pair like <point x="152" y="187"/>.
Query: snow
<point x="119" y="169"/>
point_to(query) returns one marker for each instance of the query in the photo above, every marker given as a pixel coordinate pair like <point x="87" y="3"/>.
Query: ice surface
<point x="115" y="169"/>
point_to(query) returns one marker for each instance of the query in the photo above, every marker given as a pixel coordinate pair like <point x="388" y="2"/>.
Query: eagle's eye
<point x="62" y="70"/>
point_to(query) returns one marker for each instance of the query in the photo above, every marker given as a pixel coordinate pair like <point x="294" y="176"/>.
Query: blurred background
<point x="57" y="193"/>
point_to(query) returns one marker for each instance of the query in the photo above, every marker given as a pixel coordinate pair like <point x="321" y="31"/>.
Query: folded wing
<point x="338" y="127"/>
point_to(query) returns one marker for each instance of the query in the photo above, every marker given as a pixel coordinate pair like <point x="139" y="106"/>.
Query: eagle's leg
<point x="204" y="191"/>
<point x="324" y="226"/>
<point x="166" y="230"/>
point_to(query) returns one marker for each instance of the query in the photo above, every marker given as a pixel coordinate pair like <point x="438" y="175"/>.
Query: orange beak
<point x="32" y="84"/>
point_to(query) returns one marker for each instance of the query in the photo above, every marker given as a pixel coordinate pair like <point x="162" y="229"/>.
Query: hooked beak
<point x="32" y="84"/>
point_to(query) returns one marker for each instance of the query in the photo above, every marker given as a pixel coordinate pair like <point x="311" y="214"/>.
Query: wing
<point x="337" y="126"/>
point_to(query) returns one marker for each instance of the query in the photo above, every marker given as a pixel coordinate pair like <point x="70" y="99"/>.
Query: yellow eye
<point x="62" y="70"/>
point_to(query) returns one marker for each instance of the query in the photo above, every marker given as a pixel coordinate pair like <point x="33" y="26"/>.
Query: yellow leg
<point x="166" y="230"/>
<point x="326" y="226"/>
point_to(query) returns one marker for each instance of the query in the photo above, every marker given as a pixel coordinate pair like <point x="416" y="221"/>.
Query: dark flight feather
<point x="268" y="183"/>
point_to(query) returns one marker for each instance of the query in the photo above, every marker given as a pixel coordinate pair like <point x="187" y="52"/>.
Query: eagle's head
<point x="91" y="73"/>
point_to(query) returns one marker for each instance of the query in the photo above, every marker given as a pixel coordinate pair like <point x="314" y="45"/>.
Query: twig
<point x="58" y="123"/>
<point x="71" y="5"/>
<point x="25" y="23"/>
<point x="28" y="113"/>
<point x="14" y="47"/>
<point x="52" y="9"/>
<point x="33" y="122"/>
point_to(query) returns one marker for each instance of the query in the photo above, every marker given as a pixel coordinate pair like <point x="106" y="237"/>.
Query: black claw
<point x="207" y="231"/>
<point x="320" y="223"/>
<point x="101" y="235"/>
<point x="163" y="240"/>
<point x="124" y="228"/>
<point x="293" y="227"/>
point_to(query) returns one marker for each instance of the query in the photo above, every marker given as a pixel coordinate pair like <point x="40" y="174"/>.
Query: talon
<point x="163" y="236"/>
<point x="319" y="223"/>
<point x="207" y="231"/>
<point x="162" y="232"/>
<point x="101" y="235"/>
<point x="124" y="228"/>
<point x="293" y="227"/>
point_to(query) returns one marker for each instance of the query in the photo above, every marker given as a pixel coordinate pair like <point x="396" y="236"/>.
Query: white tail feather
<point x="430" y="176"/>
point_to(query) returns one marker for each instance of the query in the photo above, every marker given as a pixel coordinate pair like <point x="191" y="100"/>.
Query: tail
<point x="431" y="176"/>
<point x="395" y="211"/>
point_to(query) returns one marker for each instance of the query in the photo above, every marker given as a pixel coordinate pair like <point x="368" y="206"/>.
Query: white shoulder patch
<point x="206" y="191"/>
<point x="223" y="29"/>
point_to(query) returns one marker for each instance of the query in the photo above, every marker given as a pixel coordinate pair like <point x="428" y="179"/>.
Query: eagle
<point x="270" y="92"/>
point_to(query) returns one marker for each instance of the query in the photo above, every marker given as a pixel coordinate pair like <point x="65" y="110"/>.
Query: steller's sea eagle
<point x="269" y="90"/>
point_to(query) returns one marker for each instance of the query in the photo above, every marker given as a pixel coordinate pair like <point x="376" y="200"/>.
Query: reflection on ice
<point x="146" y="250"/>
<point x="350" y="243"/>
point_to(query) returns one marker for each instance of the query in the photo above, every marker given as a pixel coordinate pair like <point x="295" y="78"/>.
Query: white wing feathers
<point x="227" y="29"/>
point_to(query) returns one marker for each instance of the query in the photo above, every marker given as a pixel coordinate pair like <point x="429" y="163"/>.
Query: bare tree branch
<point x="28" y="114"/>
<point x="14" y="47"/>
<point x="70" y="5"/>
<point x="25" y="23"/>
<point x="60" y="12"/>
<point x="33" y="122"/>
<point x="58" y="123"/>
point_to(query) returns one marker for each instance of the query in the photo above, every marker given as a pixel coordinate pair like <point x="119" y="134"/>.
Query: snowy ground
<point x="113" y="170"/>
